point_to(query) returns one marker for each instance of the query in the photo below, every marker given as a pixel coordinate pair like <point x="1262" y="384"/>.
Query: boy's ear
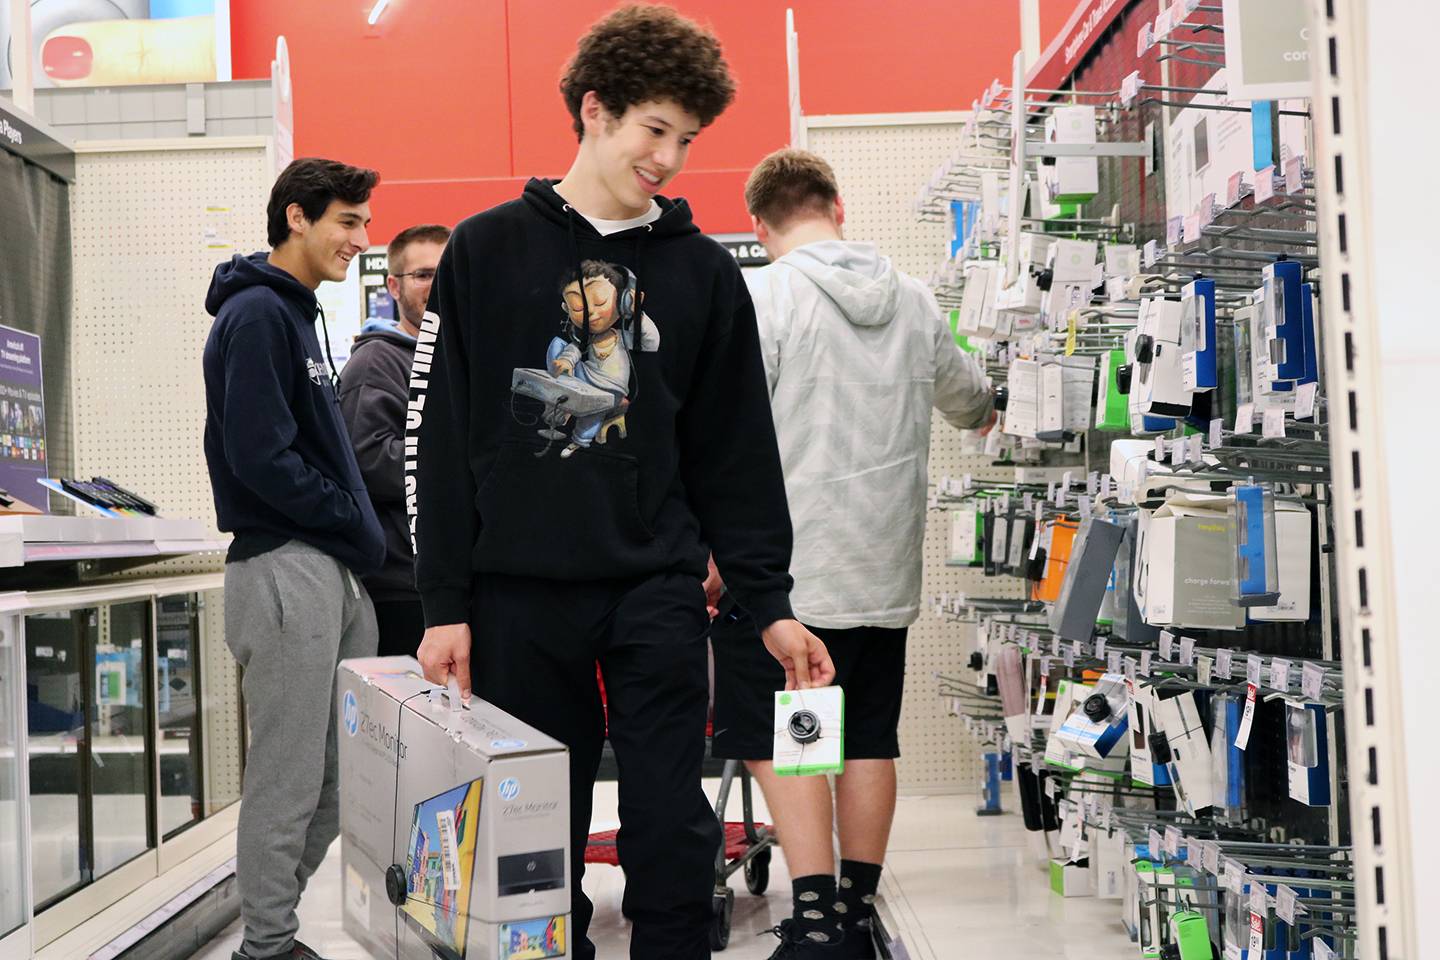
<point x="839" y="211"/>
<point x="762" y="232"/>
<point x="593" y="114"/>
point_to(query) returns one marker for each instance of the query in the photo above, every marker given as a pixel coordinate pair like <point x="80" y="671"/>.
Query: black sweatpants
<point x="535" y="646"/>
<point x="402" y="626"/>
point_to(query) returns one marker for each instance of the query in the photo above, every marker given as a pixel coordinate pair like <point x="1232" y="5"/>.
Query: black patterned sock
<point x="815" y="907"/>
<point x="858" y="883"/>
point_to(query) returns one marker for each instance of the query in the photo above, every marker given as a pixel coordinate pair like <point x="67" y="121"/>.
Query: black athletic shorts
<point x="869" y="667"/>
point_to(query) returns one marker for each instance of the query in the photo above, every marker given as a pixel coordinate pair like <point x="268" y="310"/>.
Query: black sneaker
<point x="796" y="946"/>
<point x="860" y="944"/>
<point x="298" y="952"/>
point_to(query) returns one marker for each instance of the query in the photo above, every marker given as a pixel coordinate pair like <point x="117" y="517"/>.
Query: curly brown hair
<point x="641" y="53"/>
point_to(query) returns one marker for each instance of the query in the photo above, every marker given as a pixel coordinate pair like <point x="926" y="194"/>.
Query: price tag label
<point x="1242" y="735"/>
<point x="1079" y="648"/>
<point x="1207" y="210"/>
<point x="1234" y="877"/>
<point x="1259" y="901"/>
<point x="1312" y="681"/>
<point x="1144" y="663"/>
<point x="1156" y="843"/>
<point x="1106" y="486"/>
<point x="1286" y="903"/>
<point x="1150" y="253"/>
<point x="1177" y="451"/>
<point x="1305" y="401"/>
<point x="1294" y="175"/>
<point x="1164" y="23"/>
<point x="1159" y="448"/>
<point x="1273" y="424"/>
<point x="1253" y="669"/>
<point x="1280" y="675"/>
<point x="1044" y="674"/>
<point x="1054" y="644"/>
<point x="1167" y="645"/>
<point x="1322" y="950"/>
<point x="1050" y="491"/>
<point x="1190" y="228"/>
<point x="1223" y="664"/>
<point x="1069" y="657"/>
<point x="1099" y="648"/>
<point x="1114" y="662"/>
<point x="1129" y="665"/>
<point x="1027" y="502"/>
<point x="1082" y="504"/>
<point x="1144" y="39"/>
<point x="1264" y="184"/>
<point x="1173" y="842"/>
<point x="1204" y="668"/>
<point x="1245" y="418"/>
<point x="1210" y="857"/>
<point x="1233" y="187"/>
<point x="1044" y="689"/>
<point x="1256" y="948"/>
<point x="1050" y="787"/>
<point x="1187" y="651"/>
<point x="1092" y="482"/>
<point x="1130" y="88"/>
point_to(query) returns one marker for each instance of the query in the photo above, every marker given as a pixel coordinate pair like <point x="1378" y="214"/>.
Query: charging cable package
<point x="809" y="732"/>
<point x="1257" y="568"/>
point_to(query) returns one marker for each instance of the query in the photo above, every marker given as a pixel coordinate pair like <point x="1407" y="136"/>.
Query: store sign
<point x="745" y="248"/>
<point x="1267" y="49"/>
<point x="23" y="460"/>
<point x="26" y="141"/>
<point x="1086" y="25"/>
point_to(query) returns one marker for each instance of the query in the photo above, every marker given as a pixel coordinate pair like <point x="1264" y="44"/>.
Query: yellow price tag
<point x="1071" y="324"/>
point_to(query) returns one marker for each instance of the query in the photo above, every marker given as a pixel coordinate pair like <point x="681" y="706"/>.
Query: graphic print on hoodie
<point x="589" y="375"/>
<point x="672" y="451"/>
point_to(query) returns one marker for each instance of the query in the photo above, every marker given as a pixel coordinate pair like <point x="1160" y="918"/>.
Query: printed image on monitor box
<point x="441" y="865"/>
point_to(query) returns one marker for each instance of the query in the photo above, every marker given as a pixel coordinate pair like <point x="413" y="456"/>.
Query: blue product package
<point x="1283" y="296"/>
<point x="1262" y="133"/>
<point x="1256" y="576"/>
<point x="1307" y="330"/>
<point x="1199" y="331"/>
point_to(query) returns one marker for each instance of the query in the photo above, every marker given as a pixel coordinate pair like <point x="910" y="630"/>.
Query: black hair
<point x="314" y="183"/>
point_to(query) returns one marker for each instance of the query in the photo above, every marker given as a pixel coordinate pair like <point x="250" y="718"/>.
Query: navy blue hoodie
<point x="281" y="466"/>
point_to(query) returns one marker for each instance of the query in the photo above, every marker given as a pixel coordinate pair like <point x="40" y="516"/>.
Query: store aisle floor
<point x="958" y="886"/>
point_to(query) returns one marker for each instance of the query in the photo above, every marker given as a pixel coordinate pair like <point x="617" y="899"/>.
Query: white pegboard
<point x="149" y="226"/>
<point x="881" y="168"/>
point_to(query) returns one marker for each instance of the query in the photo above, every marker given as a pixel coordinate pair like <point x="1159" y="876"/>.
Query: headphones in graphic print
<point x="627" y="299"/>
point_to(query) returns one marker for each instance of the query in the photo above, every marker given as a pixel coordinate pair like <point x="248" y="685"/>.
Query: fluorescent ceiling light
<point x="378" y="9"/>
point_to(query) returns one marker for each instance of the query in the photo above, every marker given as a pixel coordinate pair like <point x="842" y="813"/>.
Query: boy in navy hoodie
<point x="286" y="483"/>
<point x="565" y="497"/>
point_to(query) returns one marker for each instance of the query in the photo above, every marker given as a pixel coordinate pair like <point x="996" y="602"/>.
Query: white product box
<point x="1292" y="552"/>
<point x="470" y="806"/>
<point x="1179" y="718"/>
<point x="809" y="732"/>
<point x="1185" y="564"/>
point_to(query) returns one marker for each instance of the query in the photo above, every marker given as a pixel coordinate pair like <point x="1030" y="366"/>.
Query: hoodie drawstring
<point x="329" y="358"/>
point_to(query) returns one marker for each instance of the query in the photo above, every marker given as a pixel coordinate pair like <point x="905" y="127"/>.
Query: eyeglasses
<point x="421" y="276"/>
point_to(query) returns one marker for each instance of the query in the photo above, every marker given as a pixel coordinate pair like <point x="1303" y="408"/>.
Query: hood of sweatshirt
<point x="675" y="218"/>
<point x="242" y="272"/>
<point x="385" y="330"/>
<point x="860" y="282"/>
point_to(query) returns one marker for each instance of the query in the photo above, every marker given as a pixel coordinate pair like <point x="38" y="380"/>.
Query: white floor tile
<point x="955" y="886"/>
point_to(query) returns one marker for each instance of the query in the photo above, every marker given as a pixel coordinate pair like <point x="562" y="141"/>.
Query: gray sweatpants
<point x="291" y="615"/>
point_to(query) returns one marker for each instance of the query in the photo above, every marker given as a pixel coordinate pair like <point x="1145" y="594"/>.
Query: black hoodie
<point x="281" y="467"/>
<point x="671" y="446"/>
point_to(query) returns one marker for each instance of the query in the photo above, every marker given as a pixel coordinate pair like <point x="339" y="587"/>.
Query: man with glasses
<point x="374" y="391"/>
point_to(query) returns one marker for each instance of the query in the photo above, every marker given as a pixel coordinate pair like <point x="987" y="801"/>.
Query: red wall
<point x="456" y="102"/>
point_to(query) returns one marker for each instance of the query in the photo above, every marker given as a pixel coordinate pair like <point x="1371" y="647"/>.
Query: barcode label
<point x="449" y="851"/>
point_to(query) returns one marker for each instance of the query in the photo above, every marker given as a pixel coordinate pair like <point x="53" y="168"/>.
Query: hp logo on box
<point x="509" y="789"/>
<point x="352" y="713"/>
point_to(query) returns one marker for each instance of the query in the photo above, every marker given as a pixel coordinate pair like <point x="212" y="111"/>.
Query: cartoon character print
<point x="607" y="294"/>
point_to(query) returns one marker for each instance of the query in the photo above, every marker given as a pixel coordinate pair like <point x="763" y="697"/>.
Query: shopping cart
<point x="746" y="845"/>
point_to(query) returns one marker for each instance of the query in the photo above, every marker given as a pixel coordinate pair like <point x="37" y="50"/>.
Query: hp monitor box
<point x="454" y="822"/>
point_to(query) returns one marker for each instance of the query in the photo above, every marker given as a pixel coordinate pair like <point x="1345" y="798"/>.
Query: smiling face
<point x="638" y="154"/>
<point x="327" y="245"/>
<point x="602" y="298"/>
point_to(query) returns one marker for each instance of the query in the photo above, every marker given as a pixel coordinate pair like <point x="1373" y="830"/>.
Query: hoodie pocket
<point x="576" y="518"/>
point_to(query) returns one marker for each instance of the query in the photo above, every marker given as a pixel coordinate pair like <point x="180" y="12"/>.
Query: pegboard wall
<point x="880" y="169"/>
<point x="149" y="226"/>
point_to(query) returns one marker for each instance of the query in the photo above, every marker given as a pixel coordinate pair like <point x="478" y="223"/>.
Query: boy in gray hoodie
<point x="856" y="356"/>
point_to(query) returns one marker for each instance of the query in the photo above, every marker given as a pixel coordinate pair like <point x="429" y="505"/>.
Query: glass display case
<point x="112" y="764"/>
<point x="14" y="902"/>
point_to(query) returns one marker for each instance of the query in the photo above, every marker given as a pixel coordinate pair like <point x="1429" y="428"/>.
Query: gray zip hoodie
<point x="857" y="354"/>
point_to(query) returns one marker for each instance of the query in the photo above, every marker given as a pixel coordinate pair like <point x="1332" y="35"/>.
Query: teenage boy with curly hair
<point x="593" y="415"/>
